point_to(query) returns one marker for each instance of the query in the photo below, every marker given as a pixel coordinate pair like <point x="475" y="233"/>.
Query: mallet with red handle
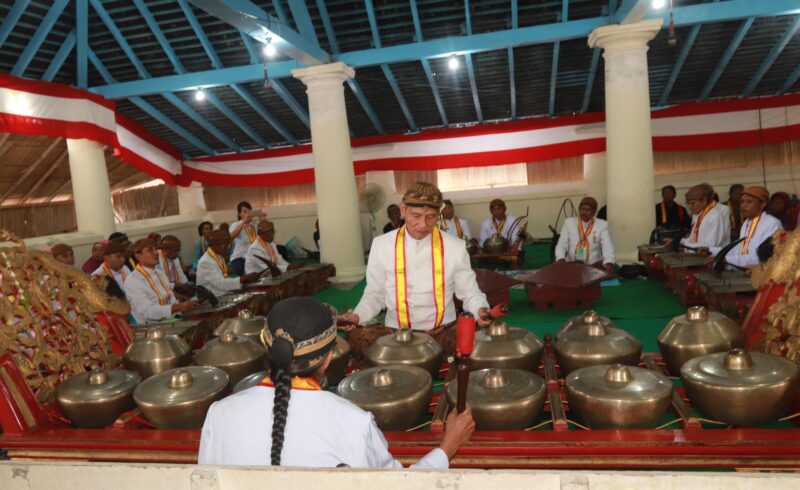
<point x="465" y="339"/>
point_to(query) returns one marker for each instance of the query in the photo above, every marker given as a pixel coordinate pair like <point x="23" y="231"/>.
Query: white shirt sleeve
<point x="466" y="287"/>
<point x="764" y="232"/>
<point x="562" y="247"/>
<point x="378" y="455"/>
<point x="144" y="302"/>
<point x="181" y="275"/>
<point x="282" y="264"/>
<point x="609" y="256"/>
<point x="465" y="228"/>
<point x="373" y="299"/>
<point x="487" y="230"/>
<point x="251" y="261"/>
<point x="209" y="276"/>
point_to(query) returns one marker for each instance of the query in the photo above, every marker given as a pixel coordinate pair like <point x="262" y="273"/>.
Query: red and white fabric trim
<point x="35" y="107"/>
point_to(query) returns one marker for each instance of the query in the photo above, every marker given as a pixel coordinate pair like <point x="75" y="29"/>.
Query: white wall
<point x="88" y="476"/>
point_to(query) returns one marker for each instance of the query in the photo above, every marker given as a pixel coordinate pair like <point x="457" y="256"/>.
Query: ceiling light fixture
<point x="269" y="48"/>
<point x="199" y="95"/>
<point x="453" y="63"/>
<point x="659" y="4"/>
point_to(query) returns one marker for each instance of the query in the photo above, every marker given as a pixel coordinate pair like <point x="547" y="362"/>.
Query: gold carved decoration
<point x="47" y="317"/>
<point x="782" y="322"/>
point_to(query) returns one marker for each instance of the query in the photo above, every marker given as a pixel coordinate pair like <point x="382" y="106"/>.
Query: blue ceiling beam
<point x="426" y="66"/>
<point x="679" y="61"/>
<point x="201" y="35"/>
<point x="631" y="11"/>
<point x="152" y="111"/>
<point x="587" y="94"/>
<point x="280" y="12"/>
<point x="159" y="34"/>
<point x="362" y="99"/>
<point x="524" y="36"/>
<point x="11" y="19"/>
<point x="738" y="37"/>
<point x="246" y="128"/>
<point x="123" y="43"/>
<point x="264" y="113"/>
<point x="82" y="42"/>
<point x="511" y="75"/>
<point x="326" y="23"/>
<point x="302" y="19"/>
<point x="789" y="83"/>
<point x="771" y="57"/>
<point x="473" y="85"/>
<point x="256" y="23"/>
<point x="551" y="106"/>
<point x="38" y="37"/>
<point x="192" y="114"/>
<point x="387" y="72"/>
<point x="61" y="55"/>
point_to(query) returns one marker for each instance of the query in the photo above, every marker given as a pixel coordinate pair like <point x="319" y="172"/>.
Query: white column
<point x="191" y="201"/>
<point x="629" y="147"/>
<point x="594" y="176"/>
<point x="337" y="197"/>
<point x="90" y="187"/>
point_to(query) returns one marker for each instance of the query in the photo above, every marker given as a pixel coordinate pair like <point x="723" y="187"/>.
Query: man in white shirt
<point x="414" y="272"/>
<point x="147" y="289"/>
<point x="212" y="268"/>
<point x="318" y="428"/>
<point x="169" y="264"/>
<point x="586" y="238"/>
<point x="243" y="234"/>
<point x="113" y="265"/>
<point x="264" y="249"/>
<point x="709" y="227"/>
<point x="758" y="227"/>
<point x="453" y="224"/>
<point x="508" y="226"/>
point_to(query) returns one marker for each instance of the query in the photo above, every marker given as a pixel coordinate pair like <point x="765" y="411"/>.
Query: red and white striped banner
<point x="35" y="107"/>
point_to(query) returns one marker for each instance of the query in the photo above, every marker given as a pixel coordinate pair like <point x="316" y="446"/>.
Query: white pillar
<point x="337" y="197"/>
<point x="629" y="146"/>
<point x="90" y="187"/>
<point x="594" y="176"/>
<point x="191" y="201"/>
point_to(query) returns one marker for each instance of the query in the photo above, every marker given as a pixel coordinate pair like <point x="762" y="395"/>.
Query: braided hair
<point x="289" y="323"/>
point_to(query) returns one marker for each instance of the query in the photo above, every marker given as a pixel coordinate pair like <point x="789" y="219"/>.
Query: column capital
<point x="331" y="72"/>
<point x="624" y="37"/>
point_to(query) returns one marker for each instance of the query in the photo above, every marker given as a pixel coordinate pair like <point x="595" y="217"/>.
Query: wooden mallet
<point x="465" y="339"/>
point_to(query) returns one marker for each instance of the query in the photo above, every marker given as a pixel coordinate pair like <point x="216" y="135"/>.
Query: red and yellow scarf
<point x="696" y="231"/>
<point x="744" y="247"/>
<point x="401" y="282"/>
<point x="272" y="255"/>
<point x="298" y="383"/>
<point x="109" y="273"/>
<point x="583" y="235"/>
<point x="220" y="262"/>
<point x="169" y="269"/>
<point x="162" y="300"/>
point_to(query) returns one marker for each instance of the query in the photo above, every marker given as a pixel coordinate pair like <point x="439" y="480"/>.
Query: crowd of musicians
<point x="415" y="270"/>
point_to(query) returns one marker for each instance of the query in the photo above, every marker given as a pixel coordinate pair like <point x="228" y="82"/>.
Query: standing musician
<point x="586" y="238"/>
<point x="243" y="233"/>
<point x="508" y="226"/>
<point x="264" y="247"/>
<point x="289" y="420"/>
<point x="453" y="224"/>
<point x="414" y="272"/>
<point x="147" y="289"/>
<point x="212" y="268"/>
<point x="169" y="264"/>
<point x="758" y="227"/>
<point x="709" y="227"/>
<point x="113" y="265"/>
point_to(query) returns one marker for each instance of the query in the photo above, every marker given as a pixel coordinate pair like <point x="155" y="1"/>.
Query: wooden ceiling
<point x="35" y="170"/>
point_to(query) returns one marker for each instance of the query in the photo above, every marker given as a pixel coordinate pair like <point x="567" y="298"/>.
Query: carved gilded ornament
<point x="782" y="322"/>
<point x="47" y="317"/>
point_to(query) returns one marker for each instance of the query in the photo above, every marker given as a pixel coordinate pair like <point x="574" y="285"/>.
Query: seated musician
<point x="709" y="227"/>
<point x="200" y="246"/>
<point x="669" y="214"/>
<point x="453" y="224"/>
<point x="289" y="420"/>
<point x="263" y="253"/>
<point x="758" y="227"/>
<point x="586" y="238"/>
<point x="212" y="269"/>
<point x="414" y="272"/>
<point x="95" y="260"/>
<point x="169" y="264"/>
<point x="508" y="226"/>
<point x="733" y="205"/>
<point x="148" y="290"/>
<point x="780" y="206"/>
<point x="63" y="253"/>
<point x="395" y="220"/>
<point x="118" y="236"/>
<point x="113" y="265"/>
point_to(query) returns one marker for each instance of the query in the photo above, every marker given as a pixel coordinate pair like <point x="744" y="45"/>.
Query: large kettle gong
<point x="236" y="354"/>
<point x="595" y="344"/>
<point x="495" y="244"/>
<point x="96" y="399"/>
<point x="501" y="346"/>
<point x="156" y="352"/>
<point x="408" y="347"/>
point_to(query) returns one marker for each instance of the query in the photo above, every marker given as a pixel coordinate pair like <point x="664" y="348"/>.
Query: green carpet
<point x="641" y="307"/>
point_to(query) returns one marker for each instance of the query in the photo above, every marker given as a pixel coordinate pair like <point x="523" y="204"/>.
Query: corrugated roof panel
<point x="532" y="71"/>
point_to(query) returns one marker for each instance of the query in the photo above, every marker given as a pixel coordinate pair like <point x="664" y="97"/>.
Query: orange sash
<point x="169" y="269"/>
<point x="268" y="249"/>
<point x="583" y="236"/>
<point x="298" y="383"/>
<point x="109" y="273"/>
<point x="250" y="230"/>
<point x="696" y="231"/>
<point x="220" y="262"/>
<point x="401" y="283"/>
<point x="161" y="299"/>
<point x="498" y="226"/>
<point x="751" y="230"/>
